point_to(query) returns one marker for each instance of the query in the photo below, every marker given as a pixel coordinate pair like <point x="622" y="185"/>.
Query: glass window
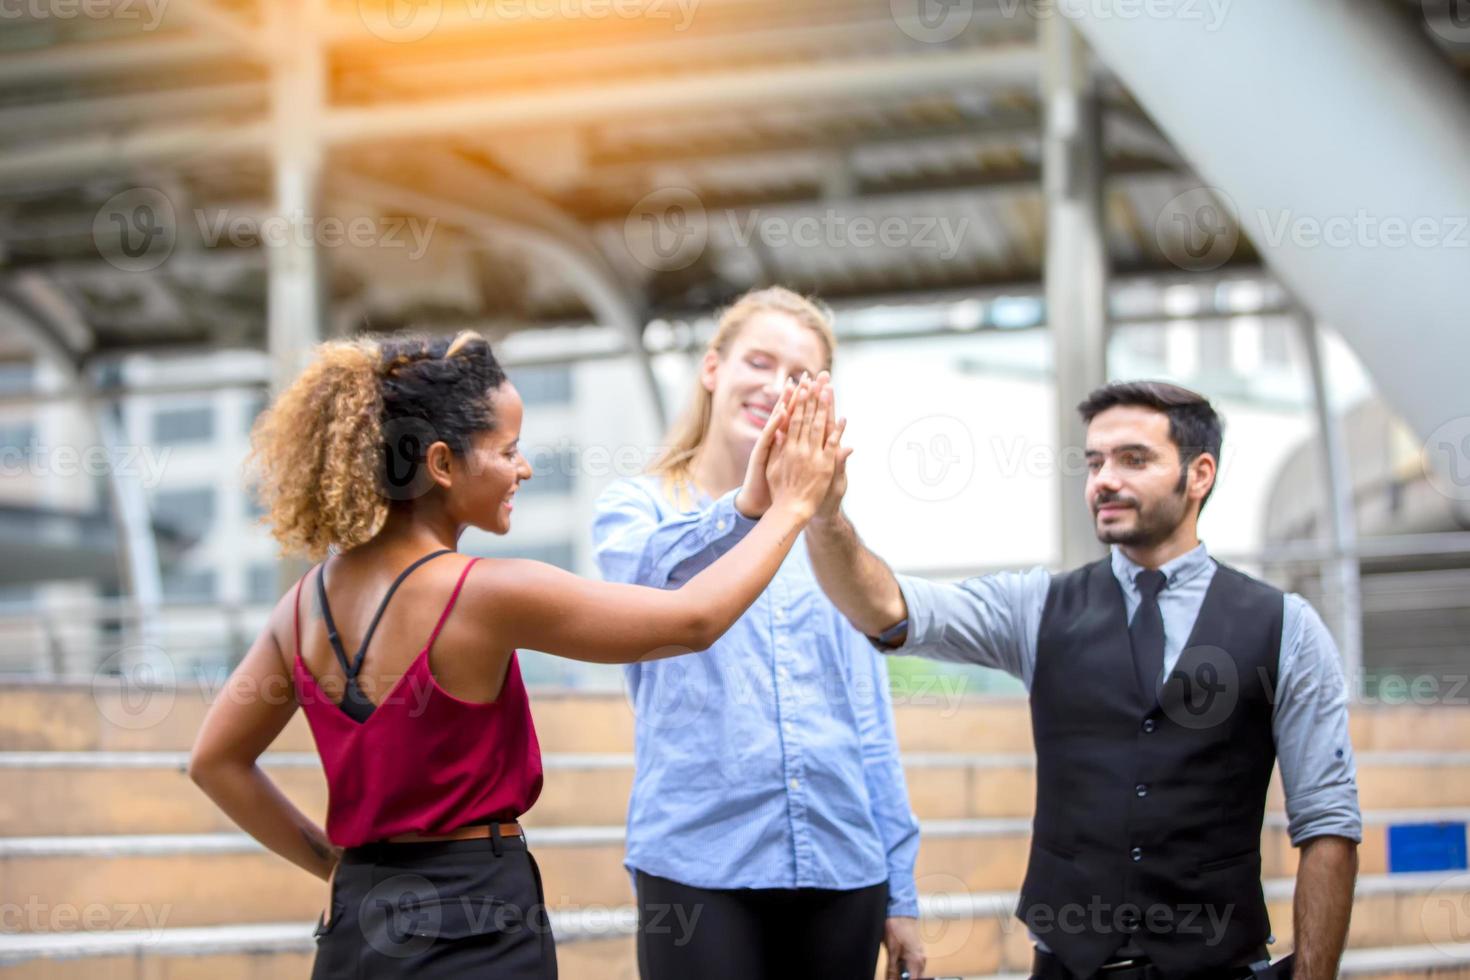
<point x="188" y="584"/>
<point x="253" y="508"/>
<point x="17" y="593"/>
<point x="261" y="583"/>
<point x="16" y="377"/>
<point x="555" y="471"/>
<point x="188" y="512"/>
<point x="1214" y="348"/>
<point x="254" y="405"/>
<point x="177" y="425"/>
<point x="18" y="435"/>
<point x="1276" y="343"/>
<point x="543" y="385"/>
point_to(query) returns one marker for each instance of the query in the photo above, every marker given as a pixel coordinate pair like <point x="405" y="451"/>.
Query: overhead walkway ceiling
<point x="743" y="122"/>
<point x="1338" y="137"/>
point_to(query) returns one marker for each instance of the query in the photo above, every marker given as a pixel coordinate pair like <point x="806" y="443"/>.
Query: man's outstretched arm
<point x="859" y="583"/>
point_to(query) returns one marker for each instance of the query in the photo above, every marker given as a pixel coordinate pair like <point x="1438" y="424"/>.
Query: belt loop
<point x="495" y="837"/>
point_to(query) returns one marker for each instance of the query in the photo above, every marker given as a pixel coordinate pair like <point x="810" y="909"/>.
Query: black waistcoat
<point x="1149" y="809"/>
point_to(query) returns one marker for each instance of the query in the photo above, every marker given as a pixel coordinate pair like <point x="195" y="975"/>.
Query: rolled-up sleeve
<point x="632" y="543"/>
<point x="990" y="620"/>
<point x="883" y="772"/>
<point x="1310" y="725"/>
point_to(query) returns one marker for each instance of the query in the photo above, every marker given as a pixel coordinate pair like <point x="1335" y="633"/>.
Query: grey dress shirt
<point x="993" y="621"/>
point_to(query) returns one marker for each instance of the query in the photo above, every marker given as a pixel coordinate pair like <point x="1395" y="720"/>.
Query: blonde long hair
<point x="687" y="435"/>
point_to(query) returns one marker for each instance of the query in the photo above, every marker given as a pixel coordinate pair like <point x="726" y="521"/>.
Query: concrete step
<point x="149" y="792"/>
<point x="934" y="714"/>
<point x="1409" y="933"/>
<point x="226" y="878"/>
<point x="108" y="716"/>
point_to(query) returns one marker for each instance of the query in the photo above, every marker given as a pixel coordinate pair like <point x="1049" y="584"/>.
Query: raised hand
<point x="831" y="504"/>
<point x="754" y="496"/>
<point x="804" y="456"/>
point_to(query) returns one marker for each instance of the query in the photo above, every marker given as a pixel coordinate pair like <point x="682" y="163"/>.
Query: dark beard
<point x="1154" y="524"/>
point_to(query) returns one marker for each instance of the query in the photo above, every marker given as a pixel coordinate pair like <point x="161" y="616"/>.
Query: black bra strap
<point x="383" y="606"/>
<point x="354" y="701"/>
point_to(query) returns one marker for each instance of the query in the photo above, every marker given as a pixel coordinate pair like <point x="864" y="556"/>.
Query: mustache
<point x="1104" y="500"/>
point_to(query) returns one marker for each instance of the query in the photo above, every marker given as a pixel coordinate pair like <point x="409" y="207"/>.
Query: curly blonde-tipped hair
<point x="319" y="454"/>
<point x="689" y="432"/>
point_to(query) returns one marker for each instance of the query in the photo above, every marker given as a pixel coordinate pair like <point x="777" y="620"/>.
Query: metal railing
<point x="1415" y="601"/>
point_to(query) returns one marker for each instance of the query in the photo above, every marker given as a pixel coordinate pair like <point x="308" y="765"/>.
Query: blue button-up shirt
<point x="770" y="759"/>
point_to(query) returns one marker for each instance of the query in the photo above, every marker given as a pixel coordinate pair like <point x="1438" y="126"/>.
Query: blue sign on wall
<point x="1426" y="847"/>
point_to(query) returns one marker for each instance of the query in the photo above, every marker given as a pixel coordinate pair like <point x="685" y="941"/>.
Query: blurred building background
<point x="192" y="195"/>
<point x="1259" y="199"/>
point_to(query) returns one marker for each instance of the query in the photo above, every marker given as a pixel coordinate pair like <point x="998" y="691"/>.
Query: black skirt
<point x="468" y="908"/>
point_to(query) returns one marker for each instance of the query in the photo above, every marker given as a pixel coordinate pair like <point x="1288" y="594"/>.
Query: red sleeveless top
<point x="422" y="760"/>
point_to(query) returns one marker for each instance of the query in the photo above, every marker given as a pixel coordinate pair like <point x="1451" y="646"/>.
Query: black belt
<point x="1046" y="966"/>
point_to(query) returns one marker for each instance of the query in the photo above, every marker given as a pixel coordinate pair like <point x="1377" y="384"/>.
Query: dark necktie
<point x="1147" y="633"/>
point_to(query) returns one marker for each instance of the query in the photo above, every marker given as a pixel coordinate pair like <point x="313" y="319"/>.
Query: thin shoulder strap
<point x="453" y="598"/>
<point x="383" y="606"/>
<point x="296" y="612"/>
<point x="351" y="668"/>
<point x="332" y="635"/>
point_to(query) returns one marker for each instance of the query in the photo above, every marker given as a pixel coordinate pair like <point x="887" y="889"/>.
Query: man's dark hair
<point x="1194" y="425"/>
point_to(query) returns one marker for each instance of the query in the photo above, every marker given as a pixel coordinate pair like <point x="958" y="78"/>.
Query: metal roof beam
<point x="856" y="78"/>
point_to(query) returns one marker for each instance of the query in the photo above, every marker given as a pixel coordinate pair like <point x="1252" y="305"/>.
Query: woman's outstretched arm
<point x="528" y="604"/>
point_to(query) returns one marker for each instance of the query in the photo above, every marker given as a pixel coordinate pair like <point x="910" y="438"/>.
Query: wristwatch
<point x="889" y="638"/>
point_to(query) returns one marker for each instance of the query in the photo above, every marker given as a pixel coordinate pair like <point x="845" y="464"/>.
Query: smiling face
<point x="486" y="479"/>
<point x="1138" y="493"/>
<point x="745" y="380"/>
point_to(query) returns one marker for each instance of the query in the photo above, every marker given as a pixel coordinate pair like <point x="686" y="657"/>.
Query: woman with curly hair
<point x="375" y="460"/>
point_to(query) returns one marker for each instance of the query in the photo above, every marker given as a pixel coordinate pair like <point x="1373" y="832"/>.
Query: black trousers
<point x="1045" y="966"/>
<point x="687" y="933"/>
<point x="444" y="909"/>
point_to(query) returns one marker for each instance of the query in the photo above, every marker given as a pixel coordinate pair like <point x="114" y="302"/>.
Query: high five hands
<point x="810" y="406"/>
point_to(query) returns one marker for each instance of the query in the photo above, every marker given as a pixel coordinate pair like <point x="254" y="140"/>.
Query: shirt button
<point x="1141" y="789"/>
<point x="1149" y="725"/>
<point x="1136" y="854"/>
<point x="1129" y="920"/>
<point x="795" y="784"/>
<point x="720" y="524"/>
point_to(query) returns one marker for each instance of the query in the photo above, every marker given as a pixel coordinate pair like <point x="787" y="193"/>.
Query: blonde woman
<point x="376" y="459"/>
<point x="769" y="829"/>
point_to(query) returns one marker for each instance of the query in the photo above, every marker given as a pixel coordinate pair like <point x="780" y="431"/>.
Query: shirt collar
<point x="1176" y="571"/>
